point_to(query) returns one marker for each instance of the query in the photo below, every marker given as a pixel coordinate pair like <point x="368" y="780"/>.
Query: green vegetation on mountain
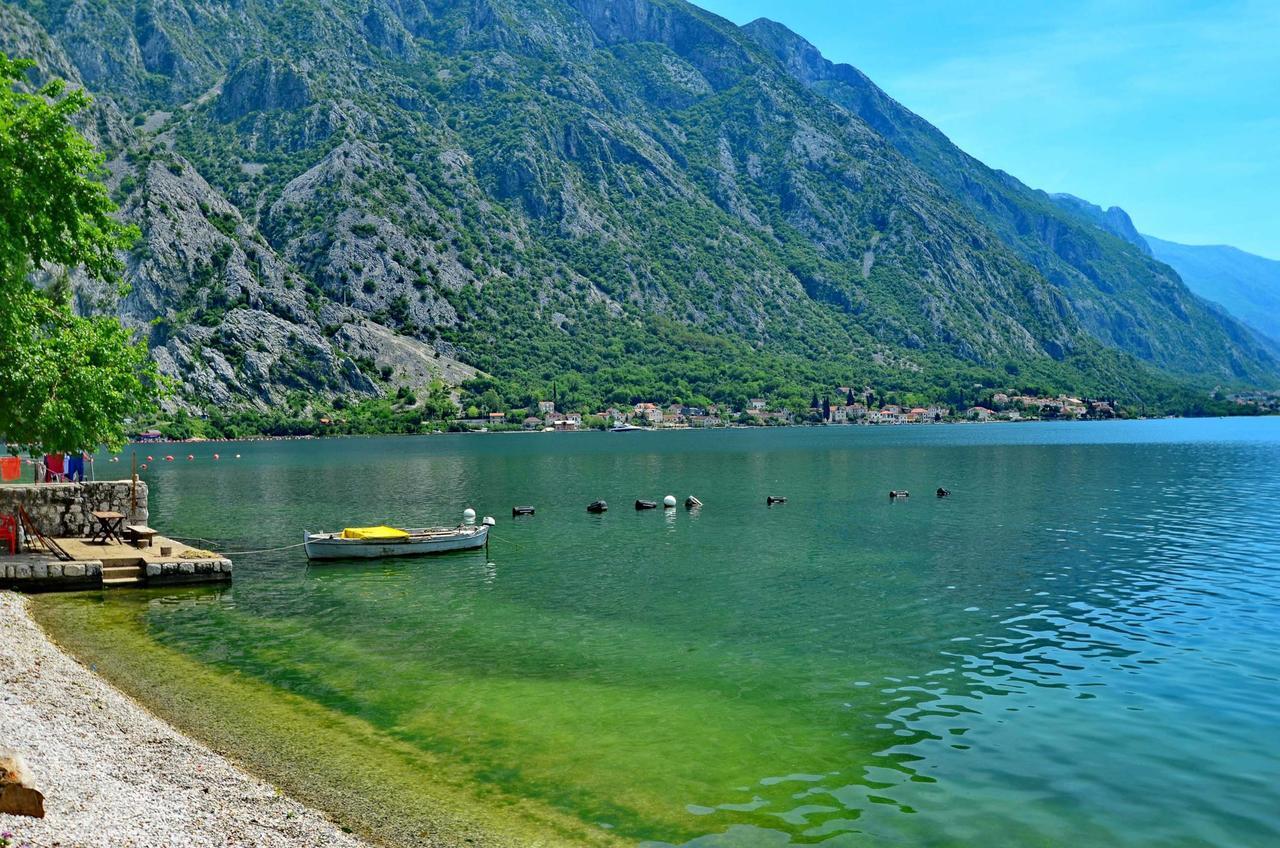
<point x="629" y="201"/>
<point x="1120" y="294"/>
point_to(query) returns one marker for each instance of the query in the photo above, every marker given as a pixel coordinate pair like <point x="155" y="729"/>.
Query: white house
<point x="650" y="412"/>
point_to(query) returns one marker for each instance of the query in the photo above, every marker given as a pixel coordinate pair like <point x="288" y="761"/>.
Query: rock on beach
<point x="114" y="774"/>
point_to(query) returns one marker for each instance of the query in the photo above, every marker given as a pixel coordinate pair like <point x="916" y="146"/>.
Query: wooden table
<point x="138" y="533"/>
<point x="109" y="524"/>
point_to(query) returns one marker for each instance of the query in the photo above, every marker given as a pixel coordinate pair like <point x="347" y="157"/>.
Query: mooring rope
<point x="190" y="539"/>
<point x="237" y="553"/>
<point x="265" y="550"/>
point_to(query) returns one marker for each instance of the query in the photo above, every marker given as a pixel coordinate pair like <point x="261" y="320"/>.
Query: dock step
<point x="109" y="582"/>
<point x="122" y="571"/>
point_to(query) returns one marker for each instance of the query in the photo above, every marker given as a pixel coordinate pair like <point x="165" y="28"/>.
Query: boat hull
<point x="324" y="546"/>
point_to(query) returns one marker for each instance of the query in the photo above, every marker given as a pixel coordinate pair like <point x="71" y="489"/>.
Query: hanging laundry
<point x="10" y="468"/>
<point x="53" y="467"/>
<point x="75" y="467"/>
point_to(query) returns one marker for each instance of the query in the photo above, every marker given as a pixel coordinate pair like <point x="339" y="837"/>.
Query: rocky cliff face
<point x="229" y="320"/>
<point x="1095" y="257"/>
<point x="635" y="196"/>
<point x="1112" y="219"/>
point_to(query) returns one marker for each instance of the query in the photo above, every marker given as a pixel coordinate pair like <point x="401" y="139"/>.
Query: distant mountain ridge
<point x="1112" y="219"/>
<point x="632" y="199"/>
<point x="1246" y="285"/>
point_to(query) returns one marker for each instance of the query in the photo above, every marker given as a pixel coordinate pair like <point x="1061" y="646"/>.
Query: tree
<point x="67" y="382"/>
<point x="439" y="405"/>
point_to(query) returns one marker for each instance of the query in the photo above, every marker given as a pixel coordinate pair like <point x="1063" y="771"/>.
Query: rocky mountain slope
<point x="1113" y="219"/>
<point x="1122" y="296"/>
<point x="628" y="199"/>
<point x="1246" y="285"/>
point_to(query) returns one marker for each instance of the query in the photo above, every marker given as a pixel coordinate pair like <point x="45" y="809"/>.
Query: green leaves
<point x="67" y="382"/>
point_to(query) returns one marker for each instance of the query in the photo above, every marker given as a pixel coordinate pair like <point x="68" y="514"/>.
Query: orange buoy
<point x="148" y="459"/>
<point x="169" y="458"/>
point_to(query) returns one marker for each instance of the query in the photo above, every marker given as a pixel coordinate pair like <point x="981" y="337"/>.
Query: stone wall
<point x="38" y="573"/>
<point x="62" y="509"/>
<point x="188" y="571"/>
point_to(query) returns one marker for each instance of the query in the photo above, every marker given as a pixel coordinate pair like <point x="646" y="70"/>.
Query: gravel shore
<point x="114" y="774"/>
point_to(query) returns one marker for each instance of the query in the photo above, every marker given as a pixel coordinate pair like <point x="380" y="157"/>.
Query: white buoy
<point x="669" y="501"/>
<point x="488" y="521"/>
<point x="469" y="515"/>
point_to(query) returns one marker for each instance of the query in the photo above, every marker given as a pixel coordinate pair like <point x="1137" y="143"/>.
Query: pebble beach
<point x="114" y="774"/>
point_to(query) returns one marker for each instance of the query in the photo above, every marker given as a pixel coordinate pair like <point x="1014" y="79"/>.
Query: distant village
<point x="853" y="407"/>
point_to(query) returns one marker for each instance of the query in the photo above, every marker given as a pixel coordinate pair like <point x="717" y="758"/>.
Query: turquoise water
<point x="1077" y="647"/>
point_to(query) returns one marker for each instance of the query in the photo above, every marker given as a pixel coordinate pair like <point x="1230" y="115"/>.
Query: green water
<point x="1077" y="647"/>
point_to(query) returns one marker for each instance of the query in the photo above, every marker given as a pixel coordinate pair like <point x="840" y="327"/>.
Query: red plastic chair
<point x="9" y="532"/>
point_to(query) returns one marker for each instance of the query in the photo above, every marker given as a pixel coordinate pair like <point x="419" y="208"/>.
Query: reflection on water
<point x="1077" y="646"/>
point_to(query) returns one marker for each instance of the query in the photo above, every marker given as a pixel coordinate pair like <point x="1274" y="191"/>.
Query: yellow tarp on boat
<point x="374" y="533"/>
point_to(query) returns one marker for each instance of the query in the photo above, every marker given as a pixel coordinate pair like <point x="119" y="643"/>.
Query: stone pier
<point x="62" y="512"/>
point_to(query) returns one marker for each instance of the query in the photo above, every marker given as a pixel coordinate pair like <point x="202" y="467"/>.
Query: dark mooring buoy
<point x="597" y="506"/>
<point x="646" y="505"/>
<point x="774" y="499"/>
<point x="522" y="510"/>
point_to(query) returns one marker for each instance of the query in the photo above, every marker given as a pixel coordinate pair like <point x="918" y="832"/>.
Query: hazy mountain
<point x="1246" y="285"/>
<point x="1112" y="219"/>
<point x="631" y="199"/>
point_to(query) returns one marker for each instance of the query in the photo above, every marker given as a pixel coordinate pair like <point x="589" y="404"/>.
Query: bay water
<point x="1079" y="646"/>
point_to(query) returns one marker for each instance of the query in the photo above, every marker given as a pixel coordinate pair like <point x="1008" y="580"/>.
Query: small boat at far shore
<point x="373" y="542"/>
<point x="622" y="427"/>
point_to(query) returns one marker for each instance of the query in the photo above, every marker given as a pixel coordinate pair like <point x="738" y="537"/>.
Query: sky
<point x="1169" y="109"/>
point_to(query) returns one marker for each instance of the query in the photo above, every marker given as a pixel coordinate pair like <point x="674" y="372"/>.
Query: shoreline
<point x="688" y="428"/>
<point x="115" y="774"/>
<point x="348" y="775"/>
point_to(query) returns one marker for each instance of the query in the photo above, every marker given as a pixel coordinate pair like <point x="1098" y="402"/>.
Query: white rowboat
<point x="414" y="542"/>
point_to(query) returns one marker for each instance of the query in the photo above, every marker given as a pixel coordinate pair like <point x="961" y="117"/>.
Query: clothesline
<point x="63" y="471"/>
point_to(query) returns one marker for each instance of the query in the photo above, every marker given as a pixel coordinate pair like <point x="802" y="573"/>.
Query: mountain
<point x="623" y="199"/>
<point x="1121" y="295"/>
<point x="1112" y="219"/>
<point x="1246" y="285"/>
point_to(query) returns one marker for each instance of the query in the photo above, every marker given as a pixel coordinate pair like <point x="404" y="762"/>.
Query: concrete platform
<point x="126" y="554"/>
<point x="112" y="566"/>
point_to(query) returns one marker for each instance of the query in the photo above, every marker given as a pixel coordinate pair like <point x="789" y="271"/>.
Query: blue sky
<point x="1168" y="109"/>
